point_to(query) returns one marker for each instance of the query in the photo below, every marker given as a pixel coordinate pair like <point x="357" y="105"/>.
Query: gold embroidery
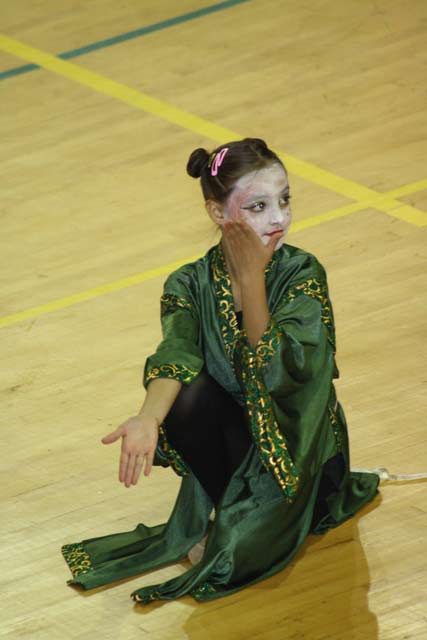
<point x="173" y="457"/>
<point x="228" y="321"/>
<point x="335" y="422"/>
<point x="336" y="428"/>
<point x="170" y="302"/>
<point x="265" y="430"/>
<point x="268" y="343"/>
<point x="148" y="596"/>
<point x="77" y="558"/>
<point x="176" y="371"/>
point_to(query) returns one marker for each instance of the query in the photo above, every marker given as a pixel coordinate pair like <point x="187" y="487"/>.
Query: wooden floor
<point x="94" y="192"/>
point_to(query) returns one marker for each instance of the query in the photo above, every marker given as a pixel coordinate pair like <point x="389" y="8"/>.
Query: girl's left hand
<point x="246" y="254"/>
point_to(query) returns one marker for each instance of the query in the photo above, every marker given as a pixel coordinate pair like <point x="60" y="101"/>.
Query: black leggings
<point x="207" y="427"/>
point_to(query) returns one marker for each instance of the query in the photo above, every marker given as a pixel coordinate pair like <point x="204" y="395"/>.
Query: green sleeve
<point x="179" y="355"/>
<point x="298" y="341"/>
<point x="286" y="379"/>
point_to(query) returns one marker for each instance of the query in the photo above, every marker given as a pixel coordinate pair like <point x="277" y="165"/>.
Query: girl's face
<point x="262" y="197"/>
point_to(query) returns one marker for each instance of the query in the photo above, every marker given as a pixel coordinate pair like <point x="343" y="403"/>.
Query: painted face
<point x="263" y="198"/>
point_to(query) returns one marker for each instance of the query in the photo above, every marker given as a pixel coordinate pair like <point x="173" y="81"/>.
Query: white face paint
<point x="263" y="198"/>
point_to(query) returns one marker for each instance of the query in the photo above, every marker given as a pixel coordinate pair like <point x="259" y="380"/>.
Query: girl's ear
<point x="215" y="211"/>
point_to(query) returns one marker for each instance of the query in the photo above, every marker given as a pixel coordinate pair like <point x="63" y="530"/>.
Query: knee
<point x="191" y="400"/>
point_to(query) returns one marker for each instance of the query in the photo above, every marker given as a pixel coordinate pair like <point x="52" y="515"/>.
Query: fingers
<point x="236" y="230"/>
<point x="232" y="234"/>
<point x="148" y="463"/>
<point x="131" y="467"/>
<point x="130" y="470"/>
<point x="274" y="240"/>
<point x="137" y="469"/>
<point x="124" y="458"/>
<point x="134" y="468"/>
<point x="126" y="468"/>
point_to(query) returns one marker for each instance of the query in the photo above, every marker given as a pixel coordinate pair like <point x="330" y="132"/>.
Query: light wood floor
<point x="94" y="190"/>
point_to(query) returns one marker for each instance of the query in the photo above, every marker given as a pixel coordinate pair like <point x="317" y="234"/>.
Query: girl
<point x="240" y="401"/>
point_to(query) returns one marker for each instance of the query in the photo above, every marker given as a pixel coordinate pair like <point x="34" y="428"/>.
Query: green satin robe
<point x="292" y="412"/>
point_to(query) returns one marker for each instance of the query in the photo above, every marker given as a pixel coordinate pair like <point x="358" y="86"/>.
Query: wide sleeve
<point x="286" y="379"/>
<point x="179" y="355"/>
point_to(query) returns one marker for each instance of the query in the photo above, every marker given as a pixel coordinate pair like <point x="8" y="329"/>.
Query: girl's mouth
<point x="273" y="232"/>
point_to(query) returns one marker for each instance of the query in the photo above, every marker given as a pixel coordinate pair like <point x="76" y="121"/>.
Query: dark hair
<point x="243" y="156"/>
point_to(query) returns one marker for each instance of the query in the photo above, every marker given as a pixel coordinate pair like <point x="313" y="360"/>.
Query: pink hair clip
<point x="218" y="161"/>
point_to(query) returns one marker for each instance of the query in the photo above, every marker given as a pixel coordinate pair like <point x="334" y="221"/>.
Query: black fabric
<point x="207" y="427"/>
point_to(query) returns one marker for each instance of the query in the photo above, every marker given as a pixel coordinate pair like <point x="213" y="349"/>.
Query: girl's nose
<point x="277" y="215"/>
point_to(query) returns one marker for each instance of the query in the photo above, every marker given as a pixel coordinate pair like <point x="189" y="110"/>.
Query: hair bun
<point x="258" y="143"/>
<point x="197" y="161"/>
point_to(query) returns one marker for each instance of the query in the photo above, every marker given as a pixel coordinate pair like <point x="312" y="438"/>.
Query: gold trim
<point x="172" y="456"/>
<point x="155" y="594"/>
<point x="265" y="430"/>
<point x="170" y="302"/>
<point x="268" y="343"/>
<point x="335" y="422"/>
<point x="77" y="558"/>
<point x="176" y="371"/>
<point x="227" y="316"/>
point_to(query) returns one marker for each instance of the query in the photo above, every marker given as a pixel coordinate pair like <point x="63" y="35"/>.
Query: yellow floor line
<point x="129" y="281"/>
<point x="407" y="189"/>
<point x="207" y="129"/>
<point x="96" y="292"/>
<point x="346" y="209"/>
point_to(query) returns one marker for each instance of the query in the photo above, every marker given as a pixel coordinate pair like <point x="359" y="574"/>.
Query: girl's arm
<point x="254" y="306"/>
<point x="161" y="394"/>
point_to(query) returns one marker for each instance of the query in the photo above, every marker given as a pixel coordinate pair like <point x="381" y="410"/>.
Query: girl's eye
<point x="286" y="199"/>
<point x="254" y="207"/>
<point x="258" y="204"/>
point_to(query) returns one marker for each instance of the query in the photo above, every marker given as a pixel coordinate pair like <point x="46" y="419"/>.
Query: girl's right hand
<point x="139" y="441"/>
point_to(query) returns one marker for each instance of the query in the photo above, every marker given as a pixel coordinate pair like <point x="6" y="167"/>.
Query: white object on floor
<point x="384" y="474"/>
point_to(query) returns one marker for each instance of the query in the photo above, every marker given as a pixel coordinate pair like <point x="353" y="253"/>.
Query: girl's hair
<point x="243" y="156"/>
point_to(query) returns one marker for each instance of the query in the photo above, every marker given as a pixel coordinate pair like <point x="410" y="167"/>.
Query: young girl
<point x="240" y="401"/>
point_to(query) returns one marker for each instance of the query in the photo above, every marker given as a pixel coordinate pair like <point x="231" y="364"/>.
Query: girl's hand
<point x="246" y="254"/>
<point x="139" y="440"/>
